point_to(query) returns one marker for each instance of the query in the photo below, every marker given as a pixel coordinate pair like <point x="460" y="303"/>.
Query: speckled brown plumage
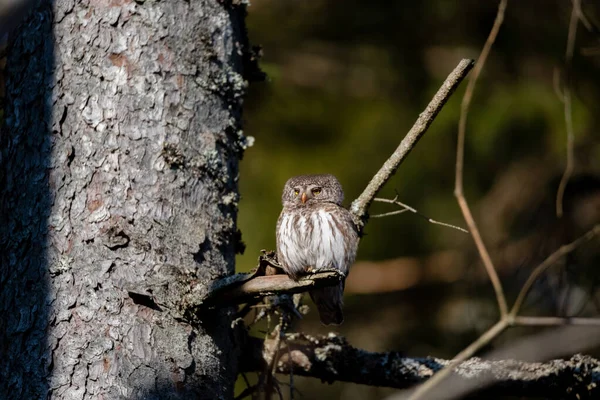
<point x="315" y="232"/>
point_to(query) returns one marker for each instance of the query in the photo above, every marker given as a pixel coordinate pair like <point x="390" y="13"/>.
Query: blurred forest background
<point x="346" y="81"/>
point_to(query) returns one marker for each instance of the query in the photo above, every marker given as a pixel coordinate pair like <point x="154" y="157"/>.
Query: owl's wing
<point x="342" y="234"/>
<point x="351" y="236"/>
<point x="277" y="236"/>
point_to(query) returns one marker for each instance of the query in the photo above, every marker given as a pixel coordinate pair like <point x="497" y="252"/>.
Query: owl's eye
<point x="296" y="192"/>
<point x="316" y="191"/>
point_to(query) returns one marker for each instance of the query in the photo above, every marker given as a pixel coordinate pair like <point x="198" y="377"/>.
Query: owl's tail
<point x="329" y="302"/>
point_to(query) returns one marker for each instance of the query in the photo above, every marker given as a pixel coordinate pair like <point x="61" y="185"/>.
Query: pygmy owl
<point x="315" y="232"/>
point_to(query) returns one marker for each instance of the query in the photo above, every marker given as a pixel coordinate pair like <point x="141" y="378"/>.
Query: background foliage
<point x="346" y="82"/>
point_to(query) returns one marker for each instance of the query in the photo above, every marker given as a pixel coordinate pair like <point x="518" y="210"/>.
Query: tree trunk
<point x="118" y="195"/>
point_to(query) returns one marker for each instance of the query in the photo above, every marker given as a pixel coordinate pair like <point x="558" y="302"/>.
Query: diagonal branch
<point x="547" y="263"/>
<point x="360" y="206"/>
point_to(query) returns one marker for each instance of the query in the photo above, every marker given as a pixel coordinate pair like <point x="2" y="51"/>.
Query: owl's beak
<point x="303" y="198"/>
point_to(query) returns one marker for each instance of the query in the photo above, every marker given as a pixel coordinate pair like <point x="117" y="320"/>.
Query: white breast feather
<point x="324" y="247"/>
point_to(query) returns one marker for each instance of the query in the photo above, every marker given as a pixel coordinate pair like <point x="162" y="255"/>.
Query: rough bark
<point x="332" y="359"/>
<point x="118" y="194"/>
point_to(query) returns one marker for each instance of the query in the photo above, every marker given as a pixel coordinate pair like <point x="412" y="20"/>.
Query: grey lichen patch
<point x="208" y="162"/>
<point x="60" y="265"/>
<point x="301" y="360"/>
<point x="228" y="84"/>
<point x="241" y="142"/>
<point x="324" y="353"/>
<point x="230" y="198"/>
<point x="245" y="141"/>
<point x="235" y="83"/>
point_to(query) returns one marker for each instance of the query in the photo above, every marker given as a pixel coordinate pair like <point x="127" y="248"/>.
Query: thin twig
<point x="409" y="208"/>
<point x="460" y="148"/>
<point x="556" y="84"/>
<point x="567" y="108"/>
<point x="360" y="206"/>
<point x="468" y="352"/>
<point x="512" y="320"/>
<point x="547" y="263"/>
<point x="291" y="369"/>
<point x="249" y="391"/>
<point x="555" y="321"/>
<point x="273" y="355"/>
<point x="584" y="20"/>
<point x="501" y="325"/>
<point x="388" y="214"/>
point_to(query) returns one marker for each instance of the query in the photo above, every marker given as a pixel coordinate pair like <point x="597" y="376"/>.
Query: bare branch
<point x="389" y="214"/>
<point x="468" y="352"/>
<point x="545" y="345"/>
<point x="460" y="149"/>
<point x="511" y="319"/>
<point x="558" y="90"/>
<point x="409" y="208"/>
<point x="582" y="17"/>
<point x="566" y="99"/>
<point x="555" y="321"/>
<point x="501" y="325"/>
<point x="360" y="206"/>
<point x="547" y="263"/>
<point x="260" y="286"/>
<point x="331" y="358"/>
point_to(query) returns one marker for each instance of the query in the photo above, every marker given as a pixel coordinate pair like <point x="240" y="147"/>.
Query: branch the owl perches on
<point x="240" y="288"/>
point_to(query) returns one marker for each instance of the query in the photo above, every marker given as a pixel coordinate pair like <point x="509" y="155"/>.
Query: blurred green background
<point x="346" y="81"/>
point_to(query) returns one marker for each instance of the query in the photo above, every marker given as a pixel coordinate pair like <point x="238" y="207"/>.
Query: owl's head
<point x="304" y="190"/>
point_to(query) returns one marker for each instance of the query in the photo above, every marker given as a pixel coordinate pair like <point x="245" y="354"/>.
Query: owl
<point x="315" y="232"/>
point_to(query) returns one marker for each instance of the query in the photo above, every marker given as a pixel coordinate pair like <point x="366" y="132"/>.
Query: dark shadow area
<point x="25" y="202"/>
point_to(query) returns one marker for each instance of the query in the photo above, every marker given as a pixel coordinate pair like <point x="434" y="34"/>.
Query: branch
<point x="501" y="325"/>
<point x="545" y="345"/>
<point x="511" y="319"/>
<point x="547" y="263"/>
<point x="331" y="359"/>
<point x="360" y="206"/>
<point x="460" y="156"/>
<point x="566" y="99"/>
<point x="406" y="207"/>
<point x="258" y="287"/>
